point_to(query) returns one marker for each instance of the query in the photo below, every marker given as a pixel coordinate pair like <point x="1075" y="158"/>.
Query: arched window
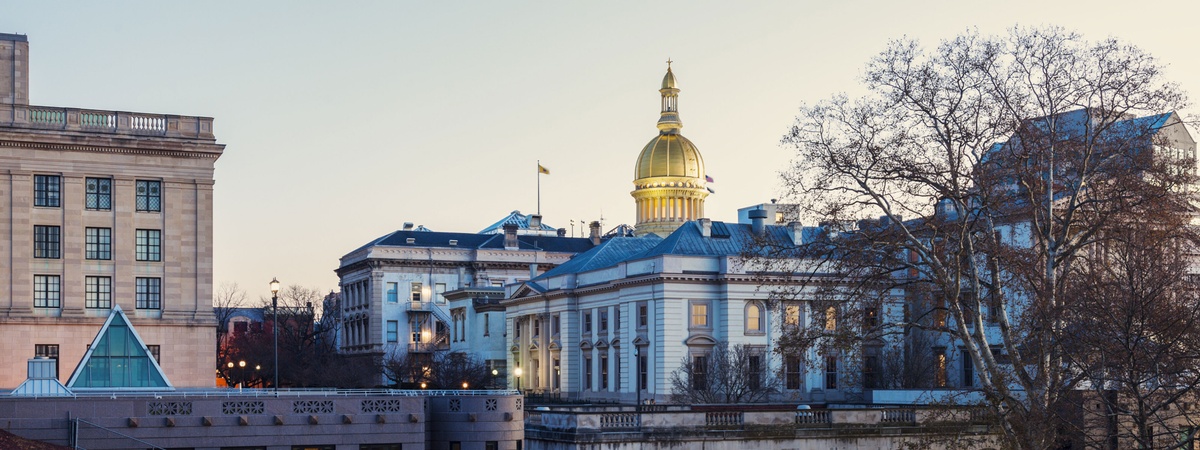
<point x="754" y="318"/>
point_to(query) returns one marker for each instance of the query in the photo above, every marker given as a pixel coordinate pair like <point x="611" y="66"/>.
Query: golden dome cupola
<point x="669" y="175"/>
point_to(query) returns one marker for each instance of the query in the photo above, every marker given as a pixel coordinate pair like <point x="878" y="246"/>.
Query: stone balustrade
<point x="106" y="122"/>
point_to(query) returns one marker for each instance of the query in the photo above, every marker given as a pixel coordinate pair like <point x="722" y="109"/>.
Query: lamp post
<point x="242" y="366"/>
<point x="518" y="373"/>
<point x="230" y="366"/>
<point x="275" y="327"/>
<point x="495" y="374"/>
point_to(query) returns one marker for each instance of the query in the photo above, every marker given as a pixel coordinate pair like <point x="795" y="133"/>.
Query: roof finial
<point x="668" y="63"/>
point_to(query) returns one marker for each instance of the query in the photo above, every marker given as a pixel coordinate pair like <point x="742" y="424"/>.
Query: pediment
<point x="601" y="343"/>
<point x="555" y="346"/>
<point x="616" y="343"/>
<point x="585" y="345"/>
<point x="700" y="340"/>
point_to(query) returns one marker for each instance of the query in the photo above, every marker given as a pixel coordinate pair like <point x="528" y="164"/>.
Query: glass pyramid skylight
<point x="118" y="359"/>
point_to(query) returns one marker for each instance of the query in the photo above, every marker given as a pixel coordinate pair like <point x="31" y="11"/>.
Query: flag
<point x="710" y="190"/>
<point x="708" y="179"/>
<point x="543" y="169"/>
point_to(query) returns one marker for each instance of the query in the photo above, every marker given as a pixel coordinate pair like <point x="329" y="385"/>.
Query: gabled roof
<point x="725" y="239"/>
<point x="118" y="359"/>
<point x="606" y="254"/>
<point x="438" y="239"/>
<point x="42" y="381"/>
<point x="518" y="219"/>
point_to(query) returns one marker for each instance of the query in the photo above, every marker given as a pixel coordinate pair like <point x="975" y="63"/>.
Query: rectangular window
<point x="831" y="372"/>
<point x="870" y="317"/>
<point x="415" y="292"/>
<point x="831" y="314"/>
<point x="642" y="316"/>
<point x="149" y="293"/>
<point x="149" y="196"/>
<point x="617" y="319"/>
<point x="537" y="327"/>
<point x="99" y="193"/>
<point x="604" y="372"/>
<point x="617" y="371"/>
<point x="587" y="372"/>
<point x="47" y="241"/>
<point x="439" y="291"/>
<point x="98" y="292"/>
<point x="154" y="353"/>
<point x="699" y="373"/>
<point x="939" y="361"/>
<point x="791" y="372"/>
<point x="47" y="190"/>
<point x="46" y="291"/>
<point x="699" y="314"/>
<point x="968" y="369"/>
<point x="554" y="325"/>
<point x="791" y="315"/>
<point x="486" y="324"/>
<point x="393" y="292"/>
<point x="587" y="321"/>
<point x="755" y="372"/>
<point x="149" y="245"/>
<point x="642" y="372"/>
<point x="603" y="320"/>
<point x="98" y="243"/>
<point x="48" y="351"/>
<point x="870" y="372"/>
<point x="393" y="331"/>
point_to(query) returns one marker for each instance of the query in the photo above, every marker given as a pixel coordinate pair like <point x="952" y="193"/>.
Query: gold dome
<point x="669" y="155"/>
<point x="669" y="80"/>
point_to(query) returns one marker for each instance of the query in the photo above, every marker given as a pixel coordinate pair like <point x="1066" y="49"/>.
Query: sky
<point x="344" y="120"/>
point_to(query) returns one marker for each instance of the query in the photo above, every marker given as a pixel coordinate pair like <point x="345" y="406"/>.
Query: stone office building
<point x="102" y="208"/>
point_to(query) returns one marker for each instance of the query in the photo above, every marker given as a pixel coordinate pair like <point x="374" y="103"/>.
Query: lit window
<point x="699" y="314"/>
<point x="99" y="193"/>
<point x="753" y="318"/>
<point x="149" y="245"/>
<point x="47" y="241"/>
<point x="830" y="318"/>
<point x="149" y="293"/>
<point x="47" y="190"/>
<point x="939" y="360"/>
<point x="149" y="195"/>
<point x="97" y="243"/>
<point x="46" y="291"/>
<point x="98" y="292"/>
<point x="870" y="317"/>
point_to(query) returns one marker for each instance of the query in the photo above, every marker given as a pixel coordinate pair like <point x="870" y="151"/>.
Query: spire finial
<point x="668" y="63"/>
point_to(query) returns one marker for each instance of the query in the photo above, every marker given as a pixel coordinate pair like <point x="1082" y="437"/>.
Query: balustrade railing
<point x="723" y="419"/>
<point x="620" y="420"/>
<point x="899" y="416"/>
<point x="813" y="417"/>
<point x="109" y="122"/>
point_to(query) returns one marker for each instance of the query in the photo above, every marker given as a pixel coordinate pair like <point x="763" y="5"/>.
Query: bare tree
<point x="439" y="370"/>
<point x="974" y="177"/>
<point x="726" y="374"/>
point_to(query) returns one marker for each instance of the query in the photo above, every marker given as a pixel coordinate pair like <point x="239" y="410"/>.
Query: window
<point x="968" y="369"/>
<point x="791" y="315"/>
<point x="517" y="328"/>
<point x="149" y="245"/>
<point x="939" y="313"/>
<point x="617" y="371"/>
<point x="755" y="372"/>
<point x="617" y="319"/>
<point x="149" y="293"/>
<point x="149" y="197"/>
<point x="870" y="317"/>
<point x="392" y="292"/>
<point x="642" y="316"/>
<point x="47" y="241"/>
<point x="97" y="292"/>
<point x="699" y="314"/>
<point x="393" y="331"/>
<point x="46" y="291"/>
<point x="98" y="243"/>
<point x="415" y="292"/>
<point x="154" y="352"/>
<point x="49" y="351"/>
<point x="939" y="361"/>
<point x="47" y="190"/>
<point x="968" y="304"/>
<point x="831" y="372"/>
<point x="491" y="445"/>
<point x="603" y="320"/>
<point x="642" y="371"/>
<point x="587" y="321"/>
<point x="604" y="372"/>
<point x="554" y="325"/>
<point x="831" y="318"/>
<point x="587" y="372"/>
<point x="485" y="324"/>
<point x="791" y="372"/>
<point x="415" y="326"/>
<point x="699" y="369"/>
<point x="537" y="327"/>
<point x="754" y="323"/>
<point x="99" y="193"/>
<point x="870" y="372"/>
<point x="439" y="291"/>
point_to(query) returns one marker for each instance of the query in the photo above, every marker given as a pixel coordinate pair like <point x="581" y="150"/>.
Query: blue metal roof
<point x="514" y="218"/>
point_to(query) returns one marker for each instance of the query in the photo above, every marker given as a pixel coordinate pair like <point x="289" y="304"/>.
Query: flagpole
<point x="539" y="187"/>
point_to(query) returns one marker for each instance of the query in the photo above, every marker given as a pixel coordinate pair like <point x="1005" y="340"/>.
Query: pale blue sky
<point x="345" y="119"/>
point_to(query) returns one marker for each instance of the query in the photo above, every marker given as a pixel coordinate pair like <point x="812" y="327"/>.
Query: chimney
<point x="758" y="219"/>
<point x="408" y="226"/>
<point x="14" y="69"/>
<point x="535" y="221"/>
<point x="595" y="232"/>
<point x="562" y="232"/>
<point x="706" y="227"/>
<point x="796" y="231"/>
<point x="533" y="270"/>
<point x="510" y="236"/>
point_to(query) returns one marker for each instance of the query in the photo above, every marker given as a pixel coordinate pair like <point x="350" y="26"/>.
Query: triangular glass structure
<point x="118" y="359"/>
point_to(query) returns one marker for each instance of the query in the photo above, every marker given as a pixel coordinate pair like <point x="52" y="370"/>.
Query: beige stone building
<point x="98" y="209"/>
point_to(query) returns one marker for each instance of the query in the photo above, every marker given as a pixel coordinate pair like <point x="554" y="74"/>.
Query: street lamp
<point x="518" y="373"/>
<point x="495" y="374"/>
<point x="242" y="366"/>
<point x="465" y="385"/>
<point x="230" y="366"/>
<point x="275" y="327"/>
